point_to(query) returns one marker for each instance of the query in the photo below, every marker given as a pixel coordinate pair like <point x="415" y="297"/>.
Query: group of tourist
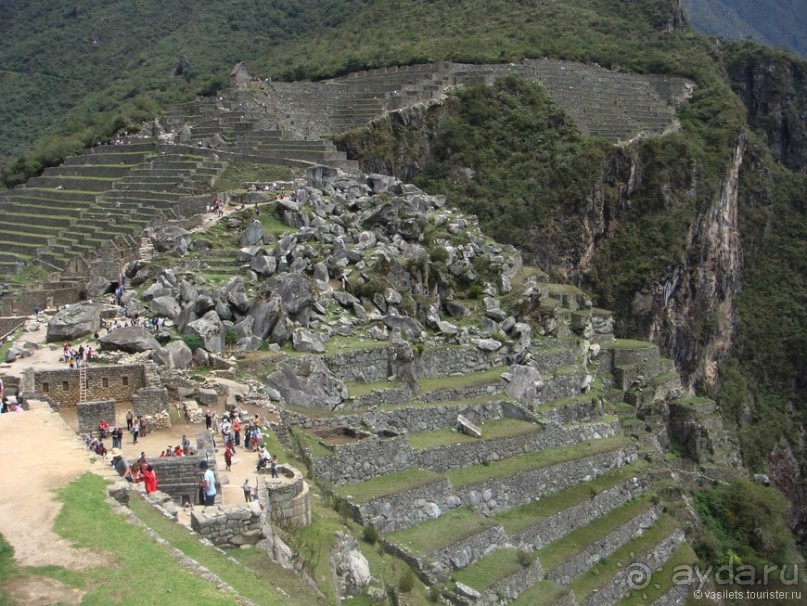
<point x="141" y="471"/>
<point x="180" y="450"/>
<point x="75" y="357"/>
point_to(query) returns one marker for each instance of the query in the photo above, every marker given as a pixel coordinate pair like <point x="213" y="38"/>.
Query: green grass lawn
<point x="490" y="376"/>
<point x="629" y="344"/>
<point x="258" y="578"/>
<point x="358" y="390"/>
<point x="138" y="569"/>
<point x="489" y="570"/>
<point x="452" y="527"/>
<point x="579" y="540"/>
<point x="544" y="593"/>
<point x="604" y="571"/>
<point x="387" y="485"/>
<point x="533" y="460"/>
<point x="491" y="430"/>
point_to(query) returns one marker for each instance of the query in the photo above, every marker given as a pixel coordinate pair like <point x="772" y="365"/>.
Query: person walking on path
<point x="135" y="430"/>
<point x="129" y="420"/>
<point x="228" y="456"/>
<point x="247" y="491"/>
<point x="208" y="483"/>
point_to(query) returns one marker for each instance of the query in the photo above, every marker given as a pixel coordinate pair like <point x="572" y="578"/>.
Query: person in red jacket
<point x="149" y="479"/>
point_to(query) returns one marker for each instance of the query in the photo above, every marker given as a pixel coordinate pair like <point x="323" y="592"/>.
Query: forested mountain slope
<point x="695" y="239"/>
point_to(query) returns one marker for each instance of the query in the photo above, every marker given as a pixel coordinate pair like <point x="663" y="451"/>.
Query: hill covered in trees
<point x="642" y="229"/>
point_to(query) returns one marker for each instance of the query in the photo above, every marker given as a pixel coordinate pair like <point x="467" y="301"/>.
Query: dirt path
<point x="29" y="479"/>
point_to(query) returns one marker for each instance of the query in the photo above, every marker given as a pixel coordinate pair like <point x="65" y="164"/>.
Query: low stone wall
<point x="565" y="572"/>
<point x="9" y="324"/>
<point x="500" y="494"/>
<point x="511" y="587"/>
<point x="466" y="454"/>
<point x="618" y="587"/>
<point x="90" y="414"/>
<point x="559" y="525"/>
<point x="231" y="526"/>
<point x="407" y="508"/>
<point x="150" y="400"/>
<point x="118" y="382"/>
<point x="179" y="477"/>
<point x="289" y="503"/>
<point x="24" y="302"/>
<point x="381" y="397"/>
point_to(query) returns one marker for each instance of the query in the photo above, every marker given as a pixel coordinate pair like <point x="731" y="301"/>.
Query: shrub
<point x="407" y="581"/>
<point x="370" y="534"/>
<point x="525" y="558"/>
<point x="193" y="341"/>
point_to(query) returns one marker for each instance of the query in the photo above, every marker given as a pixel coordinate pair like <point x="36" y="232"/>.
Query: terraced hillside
<point x="110" y="192"/>
<point x="508" y="449"/>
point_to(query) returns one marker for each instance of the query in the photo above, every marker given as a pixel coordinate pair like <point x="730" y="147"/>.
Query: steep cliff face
<point x="773" y="87"/>
<point x="690" y="309"/>
<point x="639" y="218"/>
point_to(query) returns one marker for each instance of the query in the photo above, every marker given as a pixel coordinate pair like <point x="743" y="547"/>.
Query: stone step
<point x="545" y="593"/>
<point x="35" y="221"/>
<point x="502" y="485"/>
<point x="498" y="577"/>
<point x="537" y="524"/>
<point x="500" y="439"/>
<point x="448" y="543"/>
<point x="641" y="372"/>
<point x="86" y="184"/>
<point x="569" y="557"/>
<point x="608" y="582"/>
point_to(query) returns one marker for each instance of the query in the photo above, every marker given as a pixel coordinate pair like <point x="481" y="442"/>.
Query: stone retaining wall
<point x="559" y="525"/>
<point x="362" y="365"/>
<point x="231" y="526"/>
<point x="463" y="553"/>
<point x="407" y="508"/>
<point x="511" y="587"/>
<point x="618" y="587"/>
<point x="363" y="460"/>
<point x="450" y="361"/>
<point x="467" y="454"/>
<point x="410" y="418"/>
<point x="677" y="596"/>
<point x="500" y="494"/>
<point x="572" y="568"/>
<point x="577" y="412"/>
<point x="103" y="383"/>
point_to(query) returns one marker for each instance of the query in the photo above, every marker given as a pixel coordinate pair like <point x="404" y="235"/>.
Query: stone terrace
<point x="550" y="503"/>
<point x="109" y="192"/>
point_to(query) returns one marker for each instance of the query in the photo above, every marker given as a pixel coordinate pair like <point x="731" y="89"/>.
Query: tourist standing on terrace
<point x="208" y="483"/>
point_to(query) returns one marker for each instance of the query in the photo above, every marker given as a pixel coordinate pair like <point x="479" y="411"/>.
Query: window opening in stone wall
<point x="65" y="385"/>
<point x="45" y="387"/>
<point x="105" y="382"/>
<point x="125" y="380"/>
